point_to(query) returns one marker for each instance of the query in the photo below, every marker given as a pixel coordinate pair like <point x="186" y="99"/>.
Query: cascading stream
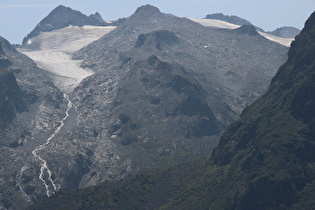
<point x="53" y="54"/>
<point x="45" y="173"/>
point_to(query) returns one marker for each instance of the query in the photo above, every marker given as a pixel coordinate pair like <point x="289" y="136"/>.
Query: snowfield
<point x="222" y="24"/>
<point x="215" y="23"/>
<point x="52" y="50"/>
<point x="53" y="53"/>
<point x="284" y="41"/>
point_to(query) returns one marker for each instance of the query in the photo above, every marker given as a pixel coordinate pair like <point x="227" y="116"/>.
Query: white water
<point x="44" y="170"/>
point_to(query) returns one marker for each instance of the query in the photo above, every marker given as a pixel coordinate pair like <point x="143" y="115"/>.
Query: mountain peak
<point x="286" y="32"/>
<point x="96" y="17"/>
<point x="61" y="17"/>
<point x="61" y="7"/>
<point x="147" y="9"/>
<point x="247" y="29"/>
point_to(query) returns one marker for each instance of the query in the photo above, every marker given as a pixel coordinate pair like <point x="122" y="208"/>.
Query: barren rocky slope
<point x="33" y="107"/>
<point x="265" y="160"/>
<point x="163" y="90"/>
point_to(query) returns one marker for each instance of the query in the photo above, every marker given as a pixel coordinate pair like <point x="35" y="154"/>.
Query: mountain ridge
<point x="163" y="90"/>
<point x="150" y="74"/>
<point x="61" y="17"/>
<point x="265" y="160"/>
<point x="284" y="32"/>
<point x="231" y="19"/>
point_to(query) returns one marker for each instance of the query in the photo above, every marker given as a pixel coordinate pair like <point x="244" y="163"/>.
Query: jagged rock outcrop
<point x="157" y="38"/>
<point x="247" y="29"/>
<point x="96" y="17"/>
<point x="62" y="17"/>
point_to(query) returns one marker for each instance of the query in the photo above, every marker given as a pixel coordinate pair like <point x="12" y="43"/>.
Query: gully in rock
<point x="28" y="199"/>
<point x="45" y="174"/>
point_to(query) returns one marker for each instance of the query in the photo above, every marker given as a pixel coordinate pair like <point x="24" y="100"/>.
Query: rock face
<point x="62" y="17"/>
<point x="30" y="109"/>
<point x="286" y="32"/>
<point x="265" y="160"/>
<point x="11" y="101"/>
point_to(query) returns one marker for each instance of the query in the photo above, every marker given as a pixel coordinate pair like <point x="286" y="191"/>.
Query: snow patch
<point x="215" y="23"/>
<point x="283" y="41"/>
<point x="54" y="53"/>
<point x="222" y="24"/>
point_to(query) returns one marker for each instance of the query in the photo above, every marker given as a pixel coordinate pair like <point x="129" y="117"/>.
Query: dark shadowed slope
<point x="265" y="160"/>
<point x="11" y="101"/>
<point x="30" y="108"/>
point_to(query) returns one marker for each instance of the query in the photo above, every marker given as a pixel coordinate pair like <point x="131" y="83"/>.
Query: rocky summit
<point x="286" y="32"/>
<point x="62" y="17"/>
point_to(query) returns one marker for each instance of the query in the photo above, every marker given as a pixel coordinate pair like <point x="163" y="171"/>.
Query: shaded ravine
<point x="52" y="53"/>
<point x="45" y="174"/>
<point x="28" y="199"/>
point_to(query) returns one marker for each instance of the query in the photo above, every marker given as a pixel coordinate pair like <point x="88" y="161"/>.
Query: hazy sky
<point x="19" y="17"/>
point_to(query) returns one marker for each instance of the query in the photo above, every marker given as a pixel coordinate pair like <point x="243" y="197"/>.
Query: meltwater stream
<point x="45" y="173"/>
<point x="52" y="53"/>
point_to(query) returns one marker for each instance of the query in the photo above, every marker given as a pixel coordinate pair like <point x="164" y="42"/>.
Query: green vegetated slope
<point x="265" y="160"/>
